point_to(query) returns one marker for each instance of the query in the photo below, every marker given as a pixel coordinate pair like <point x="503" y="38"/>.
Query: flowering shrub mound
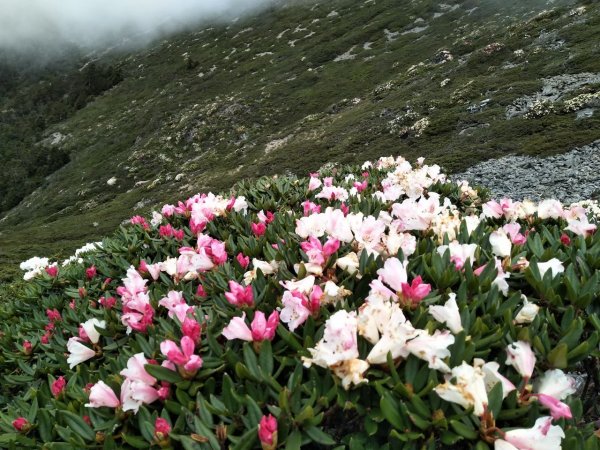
<point x="372" y="307"/>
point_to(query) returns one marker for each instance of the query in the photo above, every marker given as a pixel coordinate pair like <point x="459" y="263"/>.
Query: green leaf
<point x="163" y="374"/>
<point x="495" y="399"/>
<point x="319" y="436"/>
<point x="135" y="441"/>
<point x="78" y="425"/>
<point x="294" y="441"/>
<point x="265" y="357"/>
<point x="558" y="356"/>
<point x="390" y="410"/>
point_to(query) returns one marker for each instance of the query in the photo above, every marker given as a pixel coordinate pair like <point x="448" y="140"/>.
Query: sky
<point x="96" y="23"/>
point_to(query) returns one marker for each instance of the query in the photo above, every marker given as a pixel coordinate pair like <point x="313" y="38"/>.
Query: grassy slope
<point x="165" y="119"/>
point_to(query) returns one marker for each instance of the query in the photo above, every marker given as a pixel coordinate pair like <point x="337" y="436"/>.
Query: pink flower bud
<point x="21" y="424"/>
<point x="52" y="271"/>
<point x="161" y="429"/>
<point x="58" y="386"/>
<point x="258" y="228"/>
<point x="239" y="295"/>
<point x="267" y="432"/>
<point x="27" y="347"/>
<point x="200" y="292"/>
<point x="566" y="240"/>
<point x="243" y="260"/>
<point x="192" y="329"/>
<point x="90" y="272"/>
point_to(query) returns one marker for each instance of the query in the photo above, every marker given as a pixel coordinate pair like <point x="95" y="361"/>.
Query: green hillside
<point x="299" y="86"/>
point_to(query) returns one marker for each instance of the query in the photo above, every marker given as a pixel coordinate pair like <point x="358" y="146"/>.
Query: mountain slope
<point x="306" y="84"/>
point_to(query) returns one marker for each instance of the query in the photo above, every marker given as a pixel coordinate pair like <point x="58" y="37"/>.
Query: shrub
<point x="366" y="307"/>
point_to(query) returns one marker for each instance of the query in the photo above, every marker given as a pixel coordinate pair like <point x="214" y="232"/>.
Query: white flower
<point x="521" y="357"/>
<point x="240" y="205"/>
<point x="467" y="390"/>
<point x="556" y="383"/>
<point x="492" y="376"/>
<point x="90" y="326"/>
<point x="78" y="352"/>
<point x="351" y="372"/>
<point x="448" y="314"/>
<point x="349" y="263"/>
<point x="528" y="312"/>
<point x="338" y="343"/>
<point x="554" y="265"/>
<point x="304" y="285"/>
<point x="500" y="242"/>
<point x="432" y="348"/>
<point x="550" y="209"/>
<point x="472" y="222"/>
<point x="333" y="293"/>
<point x="385" y="317"/>
<point x="156" y="219"/>
<point x="543" y="436"/>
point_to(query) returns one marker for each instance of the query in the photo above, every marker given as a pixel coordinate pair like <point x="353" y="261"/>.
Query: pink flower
<point x="513" y="230"/>
<point x="168" y="210"/>
<point x="330" y="247"/>
<point x="90" y="272"/>
<point x="102" y="395"/>
<point x="416" y="291"/>
<point x="294" y="312"/>
<point x="108" y="302"/>
<point x="136" y="370"/>
<point x="21" y="424"/>
<point x="27" y="347"/>
<point x="266" y="218"/>
<point x="314" y="183"/>
<point x="136" y="393"/>
<point x="258" y="228"/>
<point x="58" y="386"/>
<point x="310" y="208"/>
<point x="53" y="315"/>
<point x="239" y="295"/>
<point x="217" y="252"/>
<point x="52" y="271"/>
<point x="183" y="357"/>
<point x="557" y="408"/>
<point x="393" y="274"/>
<point x="313" y="303"/>
<point x="176" y="305"/>
<point x="139" y="220"/>
<point x="237" y="329"/>
<point x="314" y="250"/>
<point x="161" y="429"/>
<point x="565" y="239"/>
<point x="197" y="226"/>
<point x="521" y="357"/>
<point x="243" y="260"/>
<point x="345" y="209"/>
<point x="361" y="186"/>
<point x="192" y="329"/>
<point x="263" y="329"/>
<point x="267" y="431"/>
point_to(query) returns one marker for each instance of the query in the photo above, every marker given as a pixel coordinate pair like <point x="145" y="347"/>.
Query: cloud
<point x="95" y="23"/>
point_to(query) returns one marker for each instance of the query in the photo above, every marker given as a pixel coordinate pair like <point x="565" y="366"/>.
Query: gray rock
<point x="569" y="177"/>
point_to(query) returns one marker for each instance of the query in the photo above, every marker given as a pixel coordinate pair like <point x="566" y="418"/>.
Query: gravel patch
<point x="568" y="177"/>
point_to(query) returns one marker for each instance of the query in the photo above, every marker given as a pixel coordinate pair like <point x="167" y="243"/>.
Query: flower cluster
<point x="384" y="295"/>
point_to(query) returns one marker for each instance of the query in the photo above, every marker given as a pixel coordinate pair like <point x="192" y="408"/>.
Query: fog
<point x="51" y="24"/>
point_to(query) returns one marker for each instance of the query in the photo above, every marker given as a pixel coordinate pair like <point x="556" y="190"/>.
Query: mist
<point x="48" y="25"/>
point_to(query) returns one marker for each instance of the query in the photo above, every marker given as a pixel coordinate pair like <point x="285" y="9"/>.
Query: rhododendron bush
<point x="379" y="306"/>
